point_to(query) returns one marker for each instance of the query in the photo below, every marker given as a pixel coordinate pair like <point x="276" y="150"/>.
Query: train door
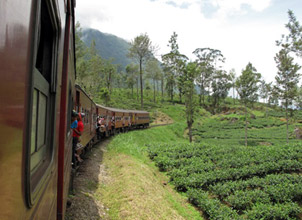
<point x="77" y="107"/>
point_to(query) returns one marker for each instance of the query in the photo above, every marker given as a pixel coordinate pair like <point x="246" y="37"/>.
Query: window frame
<point x="36" y="179"/>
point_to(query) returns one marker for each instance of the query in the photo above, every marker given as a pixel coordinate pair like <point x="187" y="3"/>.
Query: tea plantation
<point x="261" y="131"/>
<point x="236" y="182"/>
<point x="227" y="180"/>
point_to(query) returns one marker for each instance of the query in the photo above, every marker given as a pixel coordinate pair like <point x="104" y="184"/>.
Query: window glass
<point x="37" y="159"/>
<point x="42" y="120"/>
<point x="34" y="122"/>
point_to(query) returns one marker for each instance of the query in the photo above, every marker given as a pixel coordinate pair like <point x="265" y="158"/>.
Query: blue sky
<point x="244" y="30"/>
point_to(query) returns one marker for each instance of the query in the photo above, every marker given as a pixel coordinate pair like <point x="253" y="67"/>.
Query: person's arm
<point x="77" y="131"/>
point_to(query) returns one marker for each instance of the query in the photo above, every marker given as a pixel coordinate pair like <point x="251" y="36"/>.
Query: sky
<point x="243" y="30"/>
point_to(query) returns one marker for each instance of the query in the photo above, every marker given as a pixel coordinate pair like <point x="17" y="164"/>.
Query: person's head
<point x="73" y="116"/>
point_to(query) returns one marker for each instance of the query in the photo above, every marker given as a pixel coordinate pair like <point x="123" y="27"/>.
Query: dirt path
<point x="161" y="119"/>
<point x="92" y="173"/>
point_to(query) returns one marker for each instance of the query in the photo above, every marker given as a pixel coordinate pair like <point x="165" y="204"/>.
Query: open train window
<point x="42" y="102"/>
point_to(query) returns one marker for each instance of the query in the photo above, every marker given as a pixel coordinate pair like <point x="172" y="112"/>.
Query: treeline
<point x="214" y="82"/>
<point x="179" y="79"/>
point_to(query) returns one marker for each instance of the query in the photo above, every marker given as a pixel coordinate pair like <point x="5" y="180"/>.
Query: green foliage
<point x="141" y="49"/>
<point x="188" y="86"/>
<point x="247" y="84"/>
<point x="210" y="76"/>
<point x="234" y="182"/>
<point x="174" y="63"/>
<point x="105" y="95"/>
<point x="294" y="39"/>
<point x="287" y="77"/>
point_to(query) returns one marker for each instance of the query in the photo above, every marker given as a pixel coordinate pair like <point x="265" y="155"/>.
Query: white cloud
<point x="240" y="43"/>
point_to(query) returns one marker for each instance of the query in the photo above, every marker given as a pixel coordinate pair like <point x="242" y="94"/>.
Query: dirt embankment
<point x="160" y="118"/>
<point x="91" y="173"/>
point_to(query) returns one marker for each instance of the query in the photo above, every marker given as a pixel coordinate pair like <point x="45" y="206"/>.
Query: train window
<point x="42" y="98"/>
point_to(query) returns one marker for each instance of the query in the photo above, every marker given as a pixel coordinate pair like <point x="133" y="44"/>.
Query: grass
<point x="138" y="190"/>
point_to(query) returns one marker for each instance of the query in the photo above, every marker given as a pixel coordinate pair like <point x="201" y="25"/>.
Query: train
<point x="37" y="95"/>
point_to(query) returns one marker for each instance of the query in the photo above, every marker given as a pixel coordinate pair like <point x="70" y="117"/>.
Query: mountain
<point x="108" y="46"/>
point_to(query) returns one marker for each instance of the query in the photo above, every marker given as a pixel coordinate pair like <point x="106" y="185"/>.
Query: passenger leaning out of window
<point x="77" y="132"/>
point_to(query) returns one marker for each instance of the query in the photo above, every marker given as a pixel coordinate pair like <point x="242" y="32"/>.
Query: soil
<point x="161" y="119"/>
<point x="91" y="173"/>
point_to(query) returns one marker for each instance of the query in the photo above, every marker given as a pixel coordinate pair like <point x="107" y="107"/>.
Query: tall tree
<point x="93" y="79"/>
<point x="220" y="87"/>
<point x="293" y="41"/>
<point x="265" y="92"/>
<point x="173" y="62"/>
<point x="132" y="73"/>
<point x="141" y="49"/>
<point x="109" y="70"/>
<point x="153" y="71"/>
<point x="189" y="89"/>
<point x="81" y="60"/>
<point x="298" y="100"/>
<point x="247" y="87"/>
<point x="287" y="79"/>
<point x="207" y="59"/>
<point x="232" y="75"/>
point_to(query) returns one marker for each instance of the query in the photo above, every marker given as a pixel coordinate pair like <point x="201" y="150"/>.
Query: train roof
<point x="80" y="88"/>
<point x="122" y="110"/>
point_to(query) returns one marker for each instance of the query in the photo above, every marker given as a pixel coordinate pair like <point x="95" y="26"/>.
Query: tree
<point x="189" y="88"/>
<point x="93" y="80"/>
<point x="153" y="71"/>
<point x="132" y="73"/>
<point x="293" y="41"/>
<point x="141" y="49"/>
<point x="109" y="70"/>
<point x="247" y="87"/>
<point x="105" y="95"/>
<point x="207" y="59"/>
<point x="81" y="60"/>
<point x="287" y="79"/>
<point x="298" y="99"/>
<point x="220" y="87"/>
<point x="232" y="75"/>
<point x="173" y="62"/>
<point x="265" y="92"/>
<point x="274" y="96"/>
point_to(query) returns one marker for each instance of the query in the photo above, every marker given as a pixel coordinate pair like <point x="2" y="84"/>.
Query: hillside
<point x="108" y="46"/>
<point x="218" y="175"/>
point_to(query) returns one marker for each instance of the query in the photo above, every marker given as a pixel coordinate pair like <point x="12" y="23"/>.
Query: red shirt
<point x="80" y="128"/>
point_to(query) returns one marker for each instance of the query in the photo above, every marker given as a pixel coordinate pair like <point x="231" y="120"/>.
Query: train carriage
<point x="38" y="94"/>
<point x="87" y="107"/>
<point x="117" y="119"/>
<point x="37" y="86"/>
<point x="106" y="114"/>
<point x="142" y="118"/>
<point x="126" y="120"/>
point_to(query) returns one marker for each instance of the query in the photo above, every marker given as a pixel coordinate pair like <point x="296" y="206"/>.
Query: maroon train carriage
<point x="38" y="93"/>
<point x="37" y="87"/>
<point x="85" y="105"/>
